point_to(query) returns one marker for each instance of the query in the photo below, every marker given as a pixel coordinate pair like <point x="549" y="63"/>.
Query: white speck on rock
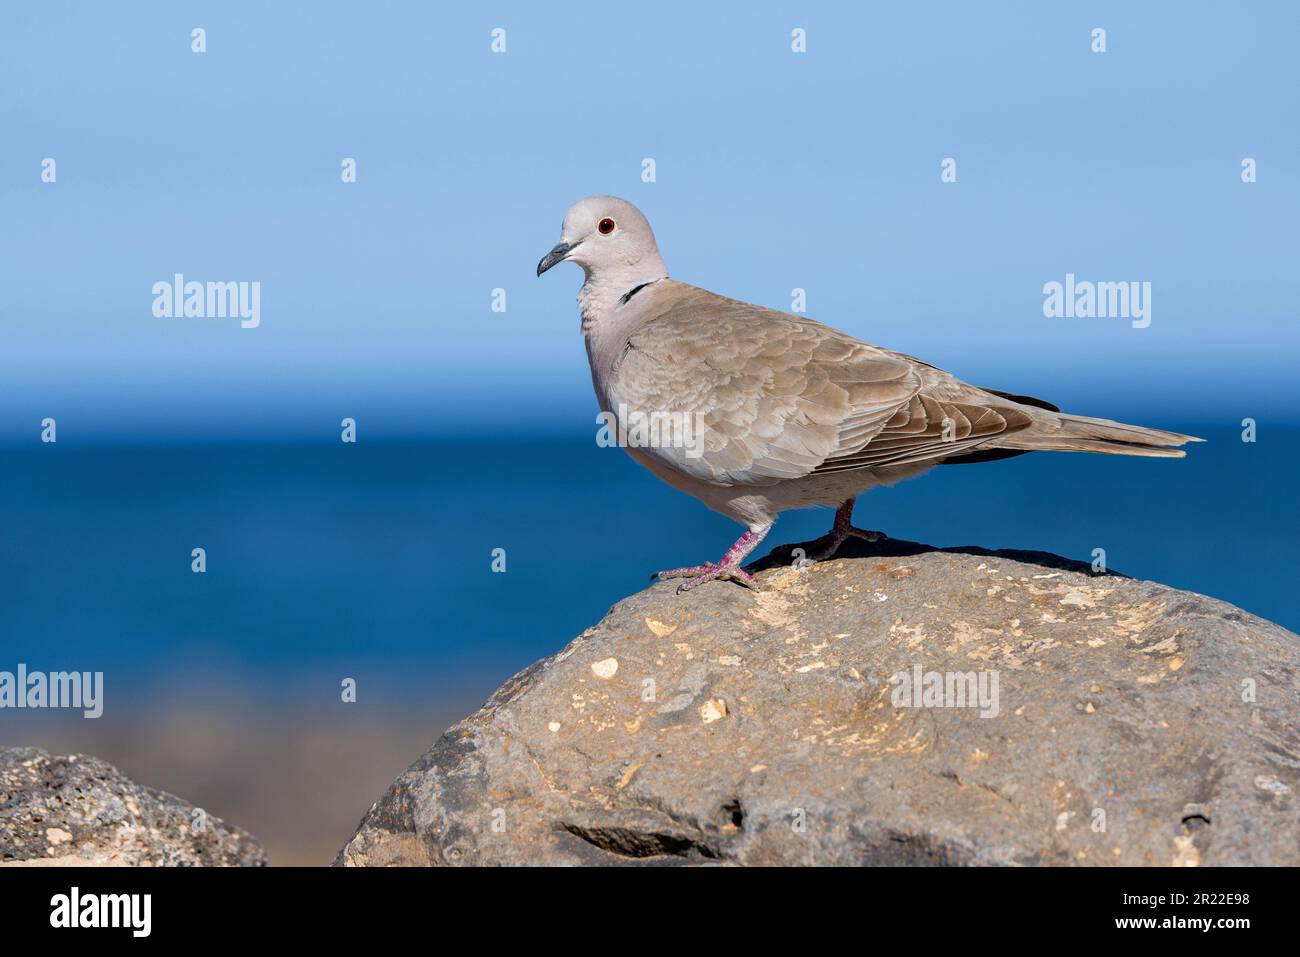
<point x="605" y="668"/>
<point x="1265" y="783"/>
<point x="712" y="710"/>
<point x="1079" y="598"/>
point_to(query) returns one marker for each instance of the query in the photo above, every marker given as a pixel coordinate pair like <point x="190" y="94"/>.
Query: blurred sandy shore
<point x="298" y="779"/>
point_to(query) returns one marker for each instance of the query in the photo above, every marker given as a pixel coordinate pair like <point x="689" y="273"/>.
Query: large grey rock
<point x="79" y="810"/>
<point x="1136" y="724"/>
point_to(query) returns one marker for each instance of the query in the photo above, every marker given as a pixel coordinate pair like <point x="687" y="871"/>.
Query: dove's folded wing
<point x="762" y="397"/>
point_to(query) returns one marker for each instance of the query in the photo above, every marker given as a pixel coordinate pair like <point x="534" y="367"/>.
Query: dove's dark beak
<point x="556" y="255"/>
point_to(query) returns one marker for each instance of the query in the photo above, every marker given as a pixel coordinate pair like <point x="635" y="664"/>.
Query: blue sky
<point x="774" y="170"/>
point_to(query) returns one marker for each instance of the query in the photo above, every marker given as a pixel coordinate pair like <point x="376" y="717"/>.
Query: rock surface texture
<point x="1130" y="724"/>
<point x="79" y="810"/>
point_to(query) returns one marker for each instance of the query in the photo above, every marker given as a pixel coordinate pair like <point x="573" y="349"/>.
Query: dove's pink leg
<point x="843" y="529"/>
<point x="728" y="566"/>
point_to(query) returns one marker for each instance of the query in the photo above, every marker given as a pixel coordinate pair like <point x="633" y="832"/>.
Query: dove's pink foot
<point x="726" y="567"/>
<point x="843" y="529"/>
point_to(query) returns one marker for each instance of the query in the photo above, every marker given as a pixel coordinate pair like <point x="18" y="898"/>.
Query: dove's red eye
<point x="606" y="226"/>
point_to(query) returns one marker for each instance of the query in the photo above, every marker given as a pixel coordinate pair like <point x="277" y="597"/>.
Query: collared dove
<point x="763" y="411"/>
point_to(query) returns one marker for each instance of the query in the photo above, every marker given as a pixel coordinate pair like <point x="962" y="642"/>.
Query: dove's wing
<point x="767" y="397"/>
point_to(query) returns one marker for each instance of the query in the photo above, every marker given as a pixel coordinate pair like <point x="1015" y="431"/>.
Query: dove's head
<point x="610" y="239"/>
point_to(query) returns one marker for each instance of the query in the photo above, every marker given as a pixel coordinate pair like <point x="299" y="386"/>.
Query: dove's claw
<point x="708" y="573"/>
<point x="727" y="567"/>
<point x="843" y="529"/>
<point x="689" y="571"/>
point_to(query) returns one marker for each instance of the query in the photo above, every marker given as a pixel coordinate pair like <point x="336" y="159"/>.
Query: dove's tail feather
<point x="1079" y="433"/>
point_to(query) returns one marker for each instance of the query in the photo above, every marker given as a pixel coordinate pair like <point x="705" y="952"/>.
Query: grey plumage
<point x="794" y="413"/>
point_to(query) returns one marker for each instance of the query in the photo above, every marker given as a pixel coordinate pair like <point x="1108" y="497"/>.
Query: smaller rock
<point x="76" y="809"/>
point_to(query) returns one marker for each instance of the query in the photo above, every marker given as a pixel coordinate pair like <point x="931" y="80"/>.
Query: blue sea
<point x="375" y="561"/>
